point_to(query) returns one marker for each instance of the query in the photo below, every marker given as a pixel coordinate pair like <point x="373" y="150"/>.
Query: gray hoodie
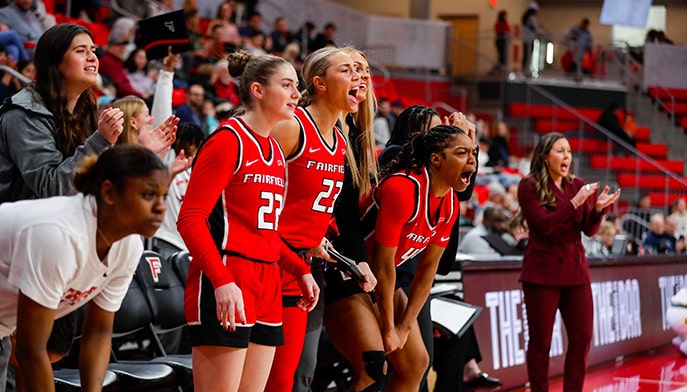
<point x="31" y="165"/>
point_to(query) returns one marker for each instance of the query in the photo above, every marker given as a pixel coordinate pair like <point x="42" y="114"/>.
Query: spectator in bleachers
<point x="579" y="42"/>
<point x="190" y="5"/>
<point x="210" y="121"/>
<point x="499" y="155"/>
<point x="491" y="236"/>
<point x="112" y="62"/>
<point x="138" y="127"/>
<point x="502" y="41"/>
<point x="636" y="220"/>
<point x="609" y="120"/>
<point x="224" y="85"/>
<point x="292" y="54"/>
<point x="679" y="216"/>
<point x="530" y="32"/>
<point x="381" y="122"/>
<point x="256" y="43"/>
<point x="324" y="38"/>
<point x="140" y="77"/>
<point x="198" y="52"/>
<point x="13" y="44"/>
<point x="657" y="241"/>
<point x="27" y="68"/>
<point x="397" y="107"/>
<point x="215" y="47"/>
<point x="8" y="83"/>
<point x="599" y="245"/>
<point x="280" y="35"/>
<point x="48" y="126"/>
<point x="305" y="35"/>
<point x="20" y="17"/>
<point x="225" y="19"/>
<point x="167" y="239"/>
<point x="253" y="24"/>
<point x="671" y="231"/>
<point x="158" y="7"/>
<point x="524" y="162"/>
<point x="192" y="110"/>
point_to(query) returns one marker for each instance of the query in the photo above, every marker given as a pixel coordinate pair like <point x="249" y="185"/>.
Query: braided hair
<point x="415" y="154"/>
<point x="414" y="119"/>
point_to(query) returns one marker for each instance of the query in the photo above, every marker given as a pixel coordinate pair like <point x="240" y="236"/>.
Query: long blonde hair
<point x="364" y="167"/>
<point x="131" y="106"/>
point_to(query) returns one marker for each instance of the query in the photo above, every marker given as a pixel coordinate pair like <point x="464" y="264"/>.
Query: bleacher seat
<point x="654" y="150"/>
<point x="680" y="108"/>
<point x="549" y="112"/>
<point x="542" y="125"/>
<point x="642" y="134"/>
<point x="679" y="94"/>
<point x="589" y="146"/>
<point x="632" y="164"/>
<point x="663" y="198"/>
<point x="649" y="181"/>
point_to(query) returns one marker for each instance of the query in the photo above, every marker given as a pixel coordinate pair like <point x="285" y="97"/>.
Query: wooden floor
<point x="660" y="371"/>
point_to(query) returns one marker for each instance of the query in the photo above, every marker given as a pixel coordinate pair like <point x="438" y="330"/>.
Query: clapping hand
<point x="111" y="124"/>
<point x="605" y="199"/>
<point x="160" y="139"/>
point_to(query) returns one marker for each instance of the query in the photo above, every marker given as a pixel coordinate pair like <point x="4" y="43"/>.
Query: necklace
<point x="109" y="244"/>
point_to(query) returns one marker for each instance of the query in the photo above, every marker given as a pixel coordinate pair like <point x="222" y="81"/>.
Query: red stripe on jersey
<point x="428" y="221"/>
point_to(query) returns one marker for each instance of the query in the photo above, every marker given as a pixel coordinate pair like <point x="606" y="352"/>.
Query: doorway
<point x="464" y="44"/>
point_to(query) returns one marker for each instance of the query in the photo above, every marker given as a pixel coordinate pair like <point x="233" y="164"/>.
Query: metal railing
<point x="679" y="185"/>
<point x="22" y="79"/>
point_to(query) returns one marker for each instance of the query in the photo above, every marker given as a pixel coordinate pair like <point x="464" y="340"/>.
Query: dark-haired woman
<point x="229" y="221"/>
<point x="97" y="237"/>
<point x="558" y="207"/>
<point x="48" y="127"/>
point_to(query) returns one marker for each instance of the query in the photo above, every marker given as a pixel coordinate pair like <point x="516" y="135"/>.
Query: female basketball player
<point x="315" y="150"/>
<point x="410" y="212"/>
<point x="229" y="221"/>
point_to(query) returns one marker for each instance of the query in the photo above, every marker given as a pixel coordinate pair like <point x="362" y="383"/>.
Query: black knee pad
<point x="374" y="366"/>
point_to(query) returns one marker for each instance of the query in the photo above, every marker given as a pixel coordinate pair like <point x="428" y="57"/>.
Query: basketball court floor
<point x="663" y="370"/>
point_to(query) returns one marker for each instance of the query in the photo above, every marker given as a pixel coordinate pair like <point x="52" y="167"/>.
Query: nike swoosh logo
<point x="311" y="150"/>
<point x="445" y="238"/>
<point x="249" y="163"/>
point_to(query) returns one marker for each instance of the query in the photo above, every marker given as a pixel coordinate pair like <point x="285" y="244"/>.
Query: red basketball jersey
<point x="314" y="178"/>
<point x="427" y="221"/>
<point x="253" y="200"/>
<point x="244" y="218"/>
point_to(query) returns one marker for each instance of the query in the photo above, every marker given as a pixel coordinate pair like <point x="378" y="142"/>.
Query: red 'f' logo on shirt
<point x="155" y="267"/>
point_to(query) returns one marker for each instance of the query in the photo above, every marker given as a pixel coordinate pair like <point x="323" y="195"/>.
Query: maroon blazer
<point x="554" y="255"/>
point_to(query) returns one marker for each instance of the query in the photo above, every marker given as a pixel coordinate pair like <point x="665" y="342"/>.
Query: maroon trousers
<point x="577" y="311"/>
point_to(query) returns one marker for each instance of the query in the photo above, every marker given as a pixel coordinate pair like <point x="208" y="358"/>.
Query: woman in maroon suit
<point x="555" y="275"/>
